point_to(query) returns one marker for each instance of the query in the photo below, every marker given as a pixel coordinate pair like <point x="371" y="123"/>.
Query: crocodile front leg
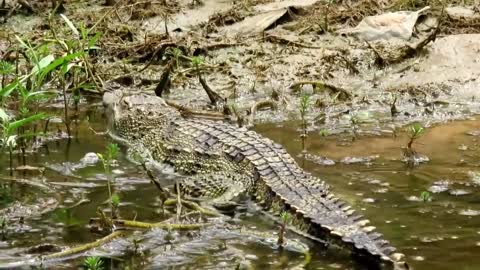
<point x="218" y="189"/>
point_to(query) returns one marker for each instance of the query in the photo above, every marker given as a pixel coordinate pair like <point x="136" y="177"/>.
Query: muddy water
<point x="440" y="234"/>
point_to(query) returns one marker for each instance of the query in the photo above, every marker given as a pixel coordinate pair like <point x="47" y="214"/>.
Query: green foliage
<point x="425" y="196"/>
<point x="9" y="128"/>
<point x="93" y="263"/>
<point x="107" y="158"/>
<point x="176" y="53"/>
<point x="197" y="61"/>
<point x="49" y="62"/>
<point x="415" y="131"/>
<point x="115" y="199"/>
<point x="305" y="104"/>
<point x="285" y="217"/>
<point x="323" y="132"/>
<point x="6" y="68"/>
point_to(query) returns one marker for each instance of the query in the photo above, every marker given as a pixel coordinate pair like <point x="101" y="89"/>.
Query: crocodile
<point x="253" y="165"/>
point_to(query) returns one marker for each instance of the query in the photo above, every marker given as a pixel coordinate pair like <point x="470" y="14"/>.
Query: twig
<point x="104" y="16"/>
<point x="193" y="206"/>
<point x="84" y="247"/>
<point x="186" y="112"/>
<point x="276" y="39"/>
<point x="160" y="225"/>
<point x="179" y="202"/>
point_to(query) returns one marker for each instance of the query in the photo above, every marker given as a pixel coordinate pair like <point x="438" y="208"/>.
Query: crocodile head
<point x="130" y="117"/>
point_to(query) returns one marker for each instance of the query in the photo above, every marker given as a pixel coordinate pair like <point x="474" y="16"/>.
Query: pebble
<point x="117" y="171"/>
<point x="90" y="159"/>
<point x="463" y="147"/>
<point x="368" y="200"/>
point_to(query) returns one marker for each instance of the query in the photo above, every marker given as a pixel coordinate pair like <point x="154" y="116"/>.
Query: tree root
<point x="164" y="83"/>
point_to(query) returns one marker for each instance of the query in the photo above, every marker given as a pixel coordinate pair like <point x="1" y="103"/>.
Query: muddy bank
<point x="276" y="52"/>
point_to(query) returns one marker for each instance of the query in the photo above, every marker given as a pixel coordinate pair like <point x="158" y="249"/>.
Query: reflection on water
<point x="442" y="234"/>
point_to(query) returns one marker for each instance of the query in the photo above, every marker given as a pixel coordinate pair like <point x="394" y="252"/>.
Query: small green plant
<point x="305" y="105"/>
<point x="177" y="53"/>
<point x="107" y="160"/>
<point x="415" y="131"/>
<point x="197" y="62"/>
<point x="425" y="196"/>
<point x="323" y="132"/>
<point x="115" y="199"/>
<point x="285" y="218"/>
<point x="93" y="263"/>
<point x="9" y="132"/>
<point x="6" y="69"/>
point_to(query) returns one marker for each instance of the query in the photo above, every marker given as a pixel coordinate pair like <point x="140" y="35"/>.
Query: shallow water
<point x="441" y="234"/>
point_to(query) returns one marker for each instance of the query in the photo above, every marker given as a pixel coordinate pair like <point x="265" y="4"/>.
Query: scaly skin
<point x="271" y="176"/>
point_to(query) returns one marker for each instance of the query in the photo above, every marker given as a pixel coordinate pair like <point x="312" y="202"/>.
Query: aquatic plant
<point x="323" y="132"/>
<point x="305" y="105"/>
<point x="285" y="217"/>
<point x="415" y="131"/>
<point x="9" y="134"/>
<point x="425" y="196"/>
<point x="107" y="160"/>
<point x="177" y="53"/>
<point x="197" y="62"/>
<point x="93" y="263"/>
<point x="6" y="69"/>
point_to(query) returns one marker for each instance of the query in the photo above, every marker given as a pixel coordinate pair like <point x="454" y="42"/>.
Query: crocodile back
<point x="276" y="183"/>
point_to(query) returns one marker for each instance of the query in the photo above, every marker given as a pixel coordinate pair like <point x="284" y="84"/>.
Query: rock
<point x="319" y="160"/>
<point x="475" y="133"/>
<point x="90" y="159"/>
<point x="368" y="200"/>
<point x="353" y="160"/>
<point x="439" y="186"/>
<point x="414" y="199"/>
<point x="459" y="192"/>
